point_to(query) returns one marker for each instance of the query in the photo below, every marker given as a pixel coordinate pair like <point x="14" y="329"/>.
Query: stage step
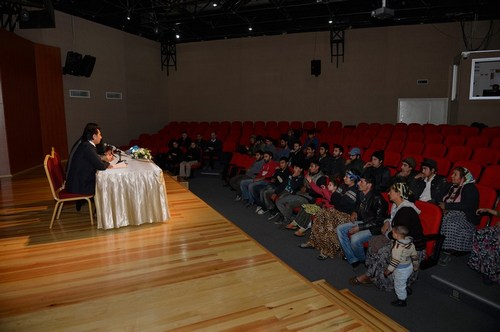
<point x="467" y="294"/>
<point x="358" y="308"/>
<point x="178" y="179"/>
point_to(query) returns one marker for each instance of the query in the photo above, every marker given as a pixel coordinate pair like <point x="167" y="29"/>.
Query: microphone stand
<point x="119" y="157"/>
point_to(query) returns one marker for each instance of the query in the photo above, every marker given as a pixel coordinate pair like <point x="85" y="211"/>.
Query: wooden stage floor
<point x="195" y="272"/>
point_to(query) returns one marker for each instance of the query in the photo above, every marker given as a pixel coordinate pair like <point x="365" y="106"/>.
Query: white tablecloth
<point x="132" y="195"/>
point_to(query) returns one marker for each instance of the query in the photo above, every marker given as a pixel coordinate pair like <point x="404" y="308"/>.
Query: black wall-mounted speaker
<point x="72" y="64"/>
<point x="315" y="67"/>
<point x="87" y="65"/>
<point x="79" y="65"/>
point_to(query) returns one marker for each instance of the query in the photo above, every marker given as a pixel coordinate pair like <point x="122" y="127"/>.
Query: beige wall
<point x="260" y="78"/>
<point x="125" y="63"/>
<point x="268" y="78"/>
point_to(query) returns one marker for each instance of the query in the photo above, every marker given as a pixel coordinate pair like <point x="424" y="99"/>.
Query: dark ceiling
<point x="192" y="20"/>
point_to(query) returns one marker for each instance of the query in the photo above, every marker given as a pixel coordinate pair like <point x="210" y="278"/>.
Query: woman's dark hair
<point x="461" y="171"/>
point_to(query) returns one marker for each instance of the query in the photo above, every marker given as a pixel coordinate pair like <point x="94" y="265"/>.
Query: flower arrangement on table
<point x="140" y="153"/>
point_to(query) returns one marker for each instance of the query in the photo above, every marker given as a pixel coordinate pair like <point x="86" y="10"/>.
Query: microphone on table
<point x="115" y="149"/>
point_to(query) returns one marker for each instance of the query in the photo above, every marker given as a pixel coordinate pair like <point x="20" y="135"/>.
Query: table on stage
<point x="131" y="195"/>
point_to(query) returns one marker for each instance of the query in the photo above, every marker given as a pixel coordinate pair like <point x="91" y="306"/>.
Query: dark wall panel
<point x="22" y="119"/>
<point x="51" y="99"/>
<point x="33" y="100"/>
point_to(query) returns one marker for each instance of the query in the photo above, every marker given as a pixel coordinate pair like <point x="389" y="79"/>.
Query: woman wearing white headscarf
<point x="459" y="214"/>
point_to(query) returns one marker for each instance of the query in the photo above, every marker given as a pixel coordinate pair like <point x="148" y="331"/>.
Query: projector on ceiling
<point x="383" y="13"/>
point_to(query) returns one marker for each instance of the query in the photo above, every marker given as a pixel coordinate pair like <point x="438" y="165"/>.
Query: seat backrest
<point x="363" y="142"/>
<point x="395" y="146"/>
<point x="458" y="153"/>
<point x="54" y="175"/>
<point x="413" y="148"/>
<point x="475" y="142"/>
<point x="452" y="140"/>
<point x="434" y="150"/>
<point x="468" y="131"/>
<point x="491" y="177"/>
<point x="415" y="137"/>
<point x="485" y="156"/>
<point x="434" y="138"/>
<point x="430" y="219"/>
<point x="378" y="143"/>
<point x="392" y="159"/>
<point x="443" y="165"/>
<point x="487" y="199"/>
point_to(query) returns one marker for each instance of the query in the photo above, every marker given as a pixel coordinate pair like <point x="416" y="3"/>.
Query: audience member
<point x="251" y="147"/>
<point x="355" y="161"/>
<point x="376" y="169"/>
<point x="190" y="158"/>
<point x="184" y="141"/>
<point x="406" y="174"/>
<point x="310" y="139"/>
<point x="269" y="145"/>
<point x="291" y="137"/>
<point x="306" y="194"/>
<point x="325" y="159"/>
<point x="367" y="220"/>
<point x="200" y="142"/>
<point x="428" y="185"/>
<point x="403" y="213"/>
<point x="404" y="260"/>
<point x="283" y="150"/>
<point x="296" y="155"/>
<point x="173" y="158"/>
<point x="250" y="173"/>
<point x="279" y="177"/>
<point x="310" y="155"/>
<point x="293" y="184"/>
<point x="459" y="214"/>
<point x="338" y="162"/>
<point x="343" y="202"/>
<point x="485" y="255"/>
<point x="247" y="186"/>
<point x="213" y="149"/>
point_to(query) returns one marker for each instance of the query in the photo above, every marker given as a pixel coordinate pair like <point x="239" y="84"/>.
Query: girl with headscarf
<point x="459" y="214"/>
<point x="403" y="213"/>
<point x="324" y="227"/>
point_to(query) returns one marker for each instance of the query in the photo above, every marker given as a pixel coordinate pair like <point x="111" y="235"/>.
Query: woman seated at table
<point x="459" y="214"/>
<point x="342" y="202"/>
<point x="485" y="255"/>
<point x="405" y="213"/>
<point x="190" y="158"/>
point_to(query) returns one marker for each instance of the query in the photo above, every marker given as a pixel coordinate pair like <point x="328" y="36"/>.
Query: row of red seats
<point x="364" y="135"/>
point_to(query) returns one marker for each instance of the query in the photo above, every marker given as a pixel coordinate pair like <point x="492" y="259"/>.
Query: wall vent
<point x="423" y="82"/>
<point x="114" y="95"/>
<point x="79" y="93"/>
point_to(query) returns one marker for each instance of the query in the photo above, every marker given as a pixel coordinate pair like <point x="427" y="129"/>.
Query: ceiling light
<point x="177" y="36"/>
<point x="214" y="4"/>
<point x="330" y="21"/>
<point x="250" y="28"/>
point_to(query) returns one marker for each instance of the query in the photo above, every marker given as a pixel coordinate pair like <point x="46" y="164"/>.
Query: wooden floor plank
<point x="195" y="272"/>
